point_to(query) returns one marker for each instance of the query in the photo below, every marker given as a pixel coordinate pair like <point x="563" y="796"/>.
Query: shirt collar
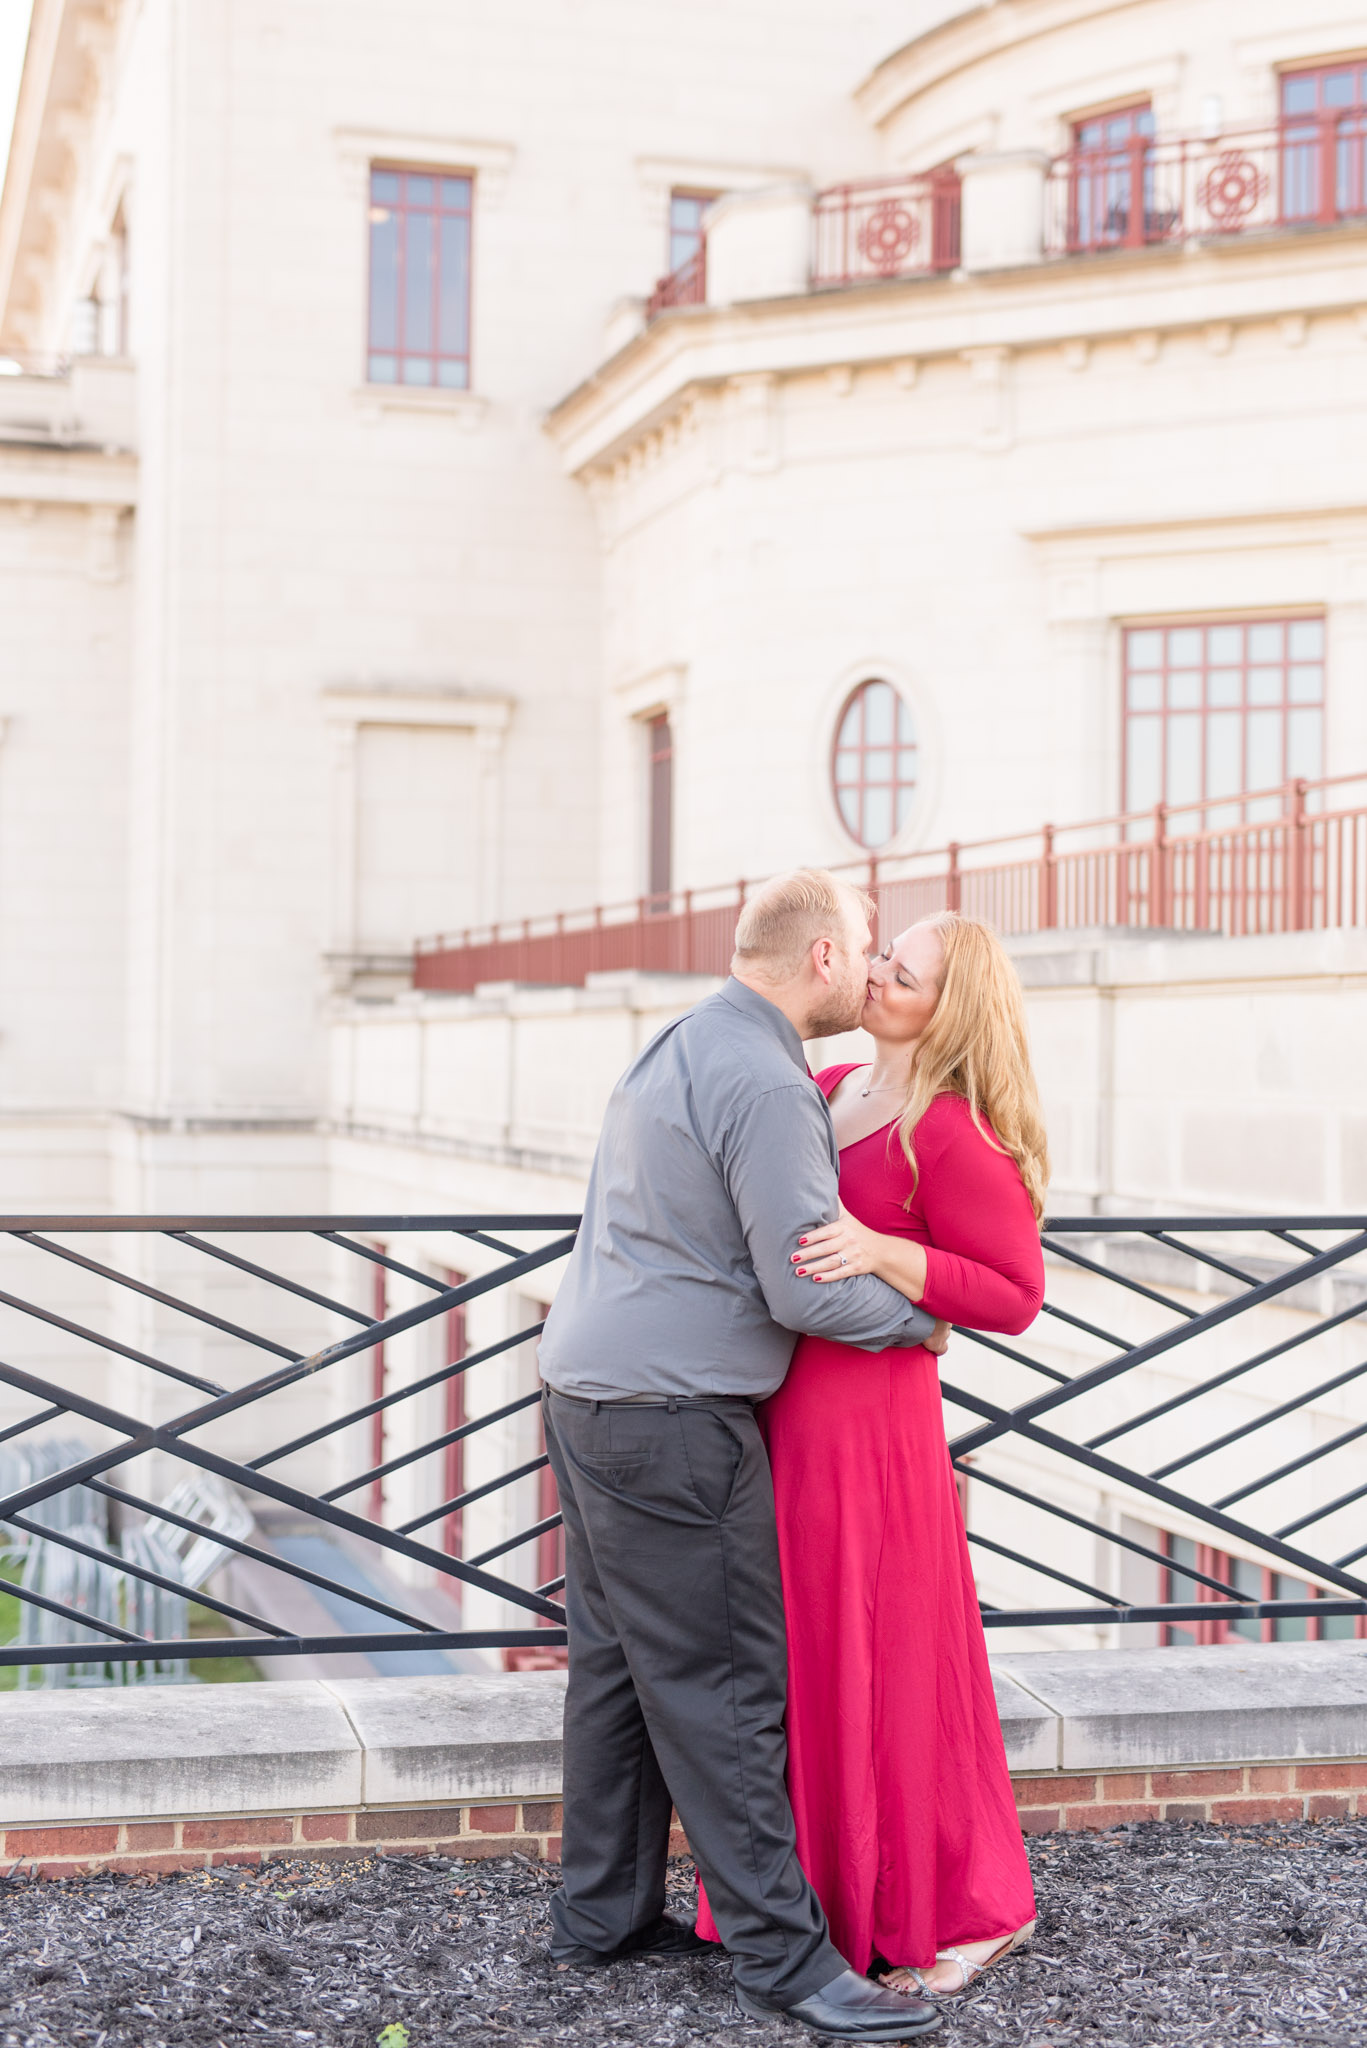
<point x="768" y="1015"/>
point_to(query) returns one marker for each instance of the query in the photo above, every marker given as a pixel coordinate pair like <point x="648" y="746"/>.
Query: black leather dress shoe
<point x="849" y="2008"/>
<point x="666" y="1938"/>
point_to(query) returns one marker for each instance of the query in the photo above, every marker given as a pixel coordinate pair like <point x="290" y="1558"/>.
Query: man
<point x="679" y="1310"/>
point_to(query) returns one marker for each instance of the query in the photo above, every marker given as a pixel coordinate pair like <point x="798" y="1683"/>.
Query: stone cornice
<point x="965" y="39"/>
<point x="1140" y="296"/>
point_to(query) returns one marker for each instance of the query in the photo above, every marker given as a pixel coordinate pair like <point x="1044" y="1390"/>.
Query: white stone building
<point x="375" y="561"/>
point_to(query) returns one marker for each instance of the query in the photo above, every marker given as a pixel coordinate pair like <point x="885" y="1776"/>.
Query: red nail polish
<point x="802" y="1272"/>
<point x="802" y="1240"/>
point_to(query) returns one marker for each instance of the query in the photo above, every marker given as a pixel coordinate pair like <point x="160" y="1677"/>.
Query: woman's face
<point x="904" y="985"/>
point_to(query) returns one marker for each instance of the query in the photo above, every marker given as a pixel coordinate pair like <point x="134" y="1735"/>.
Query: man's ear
<point x="823" y="952"/>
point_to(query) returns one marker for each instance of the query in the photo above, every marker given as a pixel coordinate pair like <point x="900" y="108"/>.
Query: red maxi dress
<point x="906" y="1823"/>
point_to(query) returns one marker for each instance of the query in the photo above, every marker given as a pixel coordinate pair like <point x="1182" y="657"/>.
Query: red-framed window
<point x="1253" y="1582"/>
<point x="1216" y="708"/>
<point x="659" y="811"/>
<point x="874" y="763"/>
<point x="453" y="1416"/>
<point x="1324" y="140"/>
<point x="419" y="317"/>
<point x="379" y="1295"/>
<point x="686" y="209"/>
<point x="1112" y="179"/>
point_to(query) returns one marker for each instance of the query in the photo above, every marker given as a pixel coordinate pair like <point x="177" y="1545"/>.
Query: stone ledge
<point x="1130" y="1709"/>
<point x="470" y="1765"/>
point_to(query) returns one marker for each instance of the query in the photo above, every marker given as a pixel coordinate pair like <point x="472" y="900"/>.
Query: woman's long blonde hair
<point x="975" y="1046"/>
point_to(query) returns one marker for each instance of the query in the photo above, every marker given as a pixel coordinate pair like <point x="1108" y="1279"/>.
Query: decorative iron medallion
<point x="888" y="235"/>
<point x="1232" y="188"/>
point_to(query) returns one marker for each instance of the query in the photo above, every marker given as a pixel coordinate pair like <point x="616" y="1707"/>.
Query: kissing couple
<point x="773" y="1626"/>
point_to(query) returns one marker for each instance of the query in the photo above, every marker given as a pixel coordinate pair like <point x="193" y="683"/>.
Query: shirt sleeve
<point x="984" y="1265"/>
<point x="781" y="1169"/>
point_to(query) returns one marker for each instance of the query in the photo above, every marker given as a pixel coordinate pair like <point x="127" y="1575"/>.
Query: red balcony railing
<point x="1280" y="860"/>
<point x="886" y="227"/>
<point x="1307" y="170"/>
<point x="686" y="286"/>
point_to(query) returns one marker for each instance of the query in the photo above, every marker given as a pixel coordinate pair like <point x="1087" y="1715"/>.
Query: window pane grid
<point x="419" y="324"/>
<point x="686" y="210"/>
<point x="1105" y="147"/>
<point x="874" y="763"/>
<point x="1213" y="711"/>
<point x="1336" y="95"/>
<point x="1251" y="1582"/>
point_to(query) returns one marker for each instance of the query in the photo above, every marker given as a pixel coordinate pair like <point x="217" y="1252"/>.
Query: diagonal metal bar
<point x="1310" y="1457"/>
<point x="366" y="1340"/>
<point x="125" y="1280"/>
<point x="552" y="1585"/>
<point x="1279" y="1414"/>
<point x="1048" y="1571"/>
<point x="1301" y="1244"/>
<point x="1216" y="1380"/>
<point x="59" y="1607"/>
<point x="1189" y="1251"/>
<point x="404" y="1393"/>
<point x="463" y="1500"/>
<point x="397" y="1540"/>
<point x="438" y="1443"/>
<point x="259" y="1556"/>
<point x="47" y="1315"/>
<point x="66" y="1541"/>
<point x="30" y="1422"/>
<point x="1168" y="1340"/>
<point x="1118" y="1279"/>
<point x="141" y="1437"/>
<point x="1051" y="1372"/>
<point x="1051" y="1308"/>
<point x="216" y="1251"/>
<point x="522" y="1536"/>
<point x="1200" y="1511"/>
<point x="1323" y="1512"/>
<point x="493" y="1244"/>
<point x="980" y="1477"/>
<point x="379" y="1258"/>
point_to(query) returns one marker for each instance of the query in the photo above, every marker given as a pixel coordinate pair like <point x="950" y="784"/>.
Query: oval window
<point x="874" y="763"/>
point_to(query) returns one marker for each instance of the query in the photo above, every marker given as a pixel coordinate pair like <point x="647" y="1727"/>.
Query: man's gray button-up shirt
<point x="717" y="1152"/>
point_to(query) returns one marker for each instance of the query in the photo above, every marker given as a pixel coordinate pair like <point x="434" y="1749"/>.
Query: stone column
<point x="759" y="244"/>
<point x="1002" y="222"/>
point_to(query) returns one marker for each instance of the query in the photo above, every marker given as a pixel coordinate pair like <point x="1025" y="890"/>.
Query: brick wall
<point x="528" y="1827"/>
<point x="1235" y="1794"/>
<point x="1239" y="1793"/>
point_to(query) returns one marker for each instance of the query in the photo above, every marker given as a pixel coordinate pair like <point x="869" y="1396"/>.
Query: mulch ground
<point x="1159" y="1933"/>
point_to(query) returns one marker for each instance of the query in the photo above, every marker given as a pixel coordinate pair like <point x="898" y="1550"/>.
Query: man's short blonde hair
<point x="784" y="919"/>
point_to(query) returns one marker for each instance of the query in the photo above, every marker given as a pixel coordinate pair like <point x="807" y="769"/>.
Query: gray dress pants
<point x="677" y="1685"/>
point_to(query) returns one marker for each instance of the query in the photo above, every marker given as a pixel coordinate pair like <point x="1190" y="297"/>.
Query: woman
<point x="906" y="1824"/>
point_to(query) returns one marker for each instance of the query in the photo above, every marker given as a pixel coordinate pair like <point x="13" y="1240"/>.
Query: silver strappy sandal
<point x="965" y="1965"/>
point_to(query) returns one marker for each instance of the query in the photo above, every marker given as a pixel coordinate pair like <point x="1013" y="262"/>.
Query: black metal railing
<point x="206" y="1437"/>
<point x="1216" y="1350"/>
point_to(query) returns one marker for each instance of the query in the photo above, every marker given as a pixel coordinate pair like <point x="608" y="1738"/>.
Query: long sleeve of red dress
<point x="971" y="1196"/>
